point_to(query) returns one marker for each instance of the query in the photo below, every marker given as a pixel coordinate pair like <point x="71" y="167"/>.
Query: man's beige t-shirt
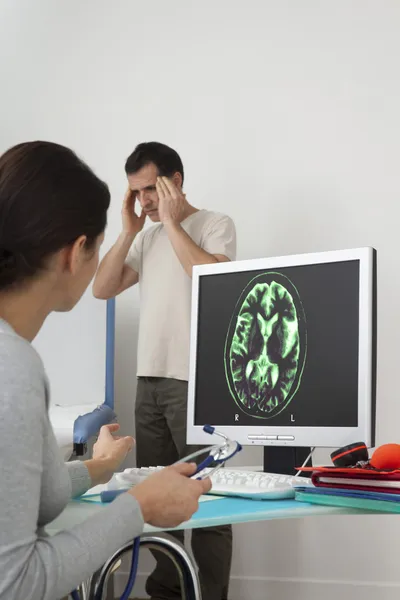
<point x="165" y="291"/>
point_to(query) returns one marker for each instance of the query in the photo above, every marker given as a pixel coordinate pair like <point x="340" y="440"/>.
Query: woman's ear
<point x="76" y="254"/>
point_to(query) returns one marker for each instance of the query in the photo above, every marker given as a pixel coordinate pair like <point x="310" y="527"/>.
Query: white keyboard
<point x="229" y="482"/>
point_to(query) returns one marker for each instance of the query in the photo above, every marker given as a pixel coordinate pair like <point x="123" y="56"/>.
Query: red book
<point x="355" y="478"/>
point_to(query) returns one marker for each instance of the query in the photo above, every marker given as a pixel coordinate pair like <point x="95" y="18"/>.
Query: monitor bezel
<point x="329" y="437"/>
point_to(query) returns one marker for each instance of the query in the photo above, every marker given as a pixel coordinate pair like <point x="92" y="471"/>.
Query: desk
<point x="220" y="511"/>
<point x="216" y="512"/>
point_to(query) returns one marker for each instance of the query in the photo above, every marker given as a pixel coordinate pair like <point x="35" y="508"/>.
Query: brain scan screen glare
<point x="279" y="347"/>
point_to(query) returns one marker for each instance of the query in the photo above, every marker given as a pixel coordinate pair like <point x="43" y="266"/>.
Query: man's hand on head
<point x="172" y="205"/>
<point x="132" y="222"/>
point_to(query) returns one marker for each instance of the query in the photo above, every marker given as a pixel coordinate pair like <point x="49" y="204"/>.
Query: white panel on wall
<point x="73" y="349"/>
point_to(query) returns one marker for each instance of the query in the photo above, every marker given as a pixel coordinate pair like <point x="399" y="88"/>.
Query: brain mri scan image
<point x="266" y="346"/>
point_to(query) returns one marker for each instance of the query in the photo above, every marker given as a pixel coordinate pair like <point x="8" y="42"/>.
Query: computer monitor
<point x="283" y="350"/>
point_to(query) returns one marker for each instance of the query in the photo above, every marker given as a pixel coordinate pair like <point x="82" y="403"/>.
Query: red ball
<point x="386" y="457"/>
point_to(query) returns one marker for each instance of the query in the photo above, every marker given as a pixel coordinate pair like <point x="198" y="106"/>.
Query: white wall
<point x="279" y="109"/>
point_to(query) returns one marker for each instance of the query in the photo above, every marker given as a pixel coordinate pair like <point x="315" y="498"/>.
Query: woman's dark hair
<point x="167" y="160"/>
<point x="48" y="198"/>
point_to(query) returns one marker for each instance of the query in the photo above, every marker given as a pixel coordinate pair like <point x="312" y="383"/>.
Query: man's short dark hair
<point x="167" y="160"/>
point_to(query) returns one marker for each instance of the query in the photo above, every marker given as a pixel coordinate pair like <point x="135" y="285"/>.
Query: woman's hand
<point x="108" y="453"/>
<point x="170" y="497"/>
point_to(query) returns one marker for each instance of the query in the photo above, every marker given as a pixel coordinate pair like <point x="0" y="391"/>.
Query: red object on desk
<point x="356" y="478"/>
<point x="386" y="457"/>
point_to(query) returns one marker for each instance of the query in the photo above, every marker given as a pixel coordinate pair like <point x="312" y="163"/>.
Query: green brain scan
<point x="266" y="346"/>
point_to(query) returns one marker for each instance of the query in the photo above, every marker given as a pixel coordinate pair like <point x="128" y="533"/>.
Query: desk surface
<point x="216" y="512"/>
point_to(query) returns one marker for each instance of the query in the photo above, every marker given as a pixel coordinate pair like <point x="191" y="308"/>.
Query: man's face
<point x="143" y="186"/>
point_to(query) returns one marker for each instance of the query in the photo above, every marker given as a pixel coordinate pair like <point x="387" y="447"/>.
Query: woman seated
<point x="53" y="212"/>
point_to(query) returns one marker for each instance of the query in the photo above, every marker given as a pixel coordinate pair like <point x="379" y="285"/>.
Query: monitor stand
<point x="285" y="459"/>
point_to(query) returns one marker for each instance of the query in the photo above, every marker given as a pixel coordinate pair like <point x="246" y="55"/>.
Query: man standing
<point x="161" y="259"/>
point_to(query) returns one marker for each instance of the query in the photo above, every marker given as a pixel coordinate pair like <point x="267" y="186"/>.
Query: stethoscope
<point x="217" y="454"/>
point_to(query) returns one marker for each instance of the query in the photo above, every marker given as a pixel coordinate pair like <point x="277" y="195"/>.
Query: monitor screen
<point x="282" y="349"/>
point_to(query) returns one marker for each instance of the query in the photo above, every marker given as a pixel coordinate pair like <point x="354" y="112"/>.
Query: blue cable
<point x="131" y="577"/>
<point x="133" y="570"/>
